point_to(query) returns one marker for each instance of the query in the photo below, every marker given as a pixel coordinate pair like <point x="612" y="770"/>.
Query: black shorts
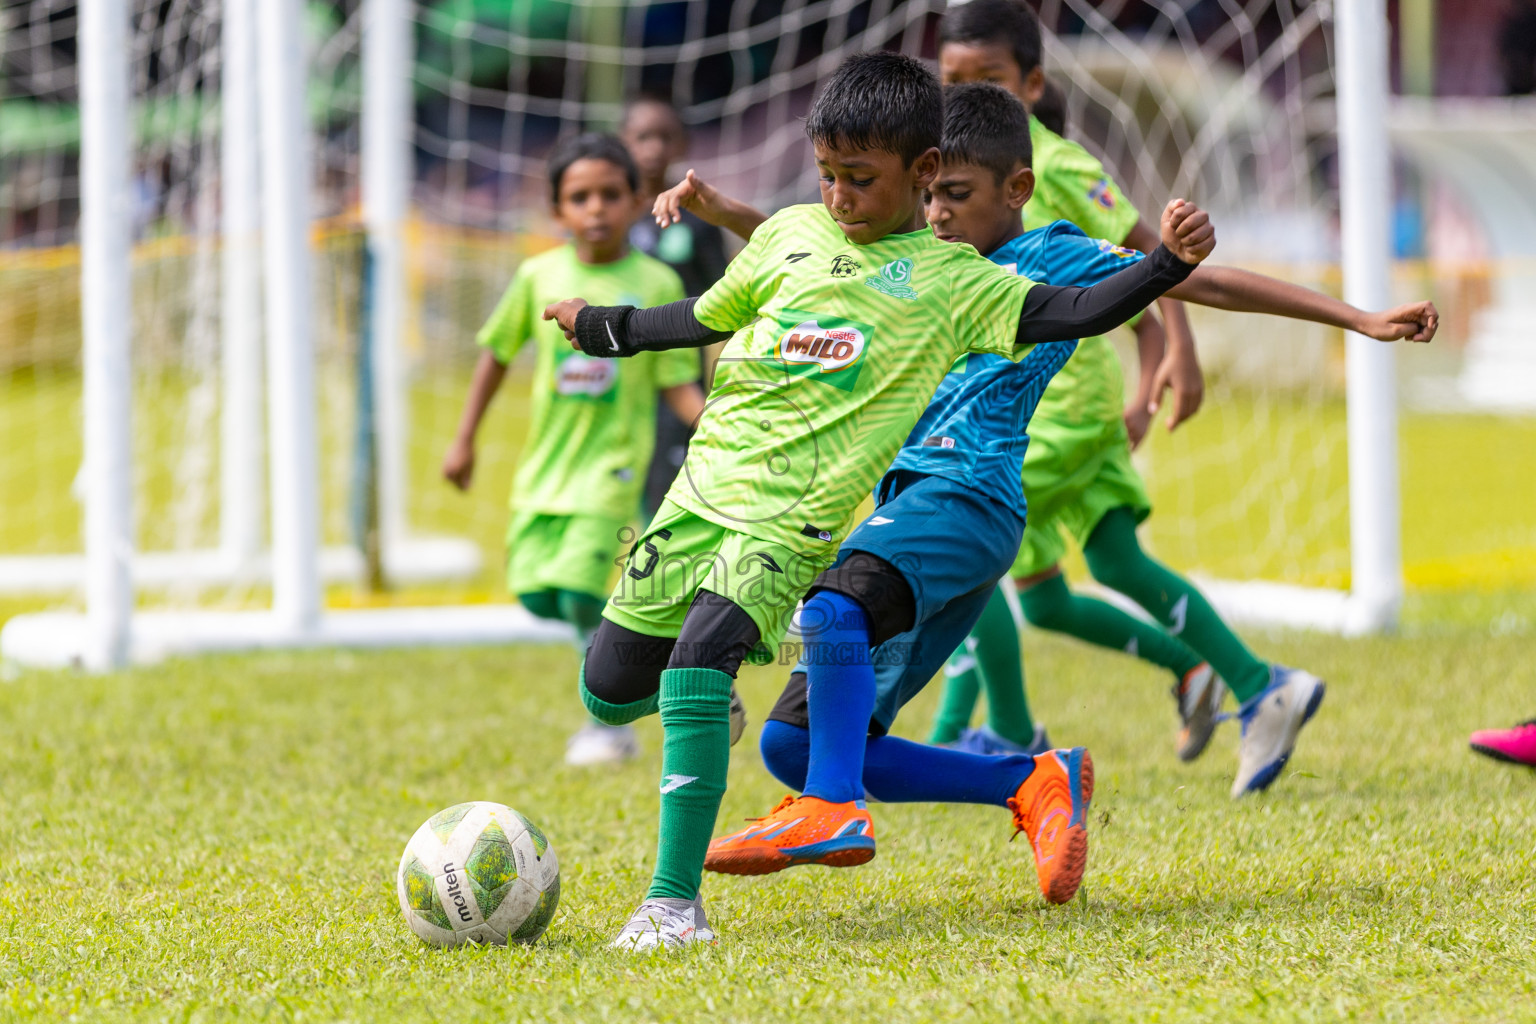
<point x="879" y="588"/>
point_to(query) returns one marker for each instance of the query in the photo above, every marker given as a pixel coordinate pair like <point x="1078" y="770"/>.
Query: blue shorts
<point x="951" y="544"/>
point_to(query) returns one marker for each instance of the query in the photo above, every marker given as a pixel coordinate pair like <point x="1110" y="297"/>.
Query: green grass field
<point x="216" y="840"/>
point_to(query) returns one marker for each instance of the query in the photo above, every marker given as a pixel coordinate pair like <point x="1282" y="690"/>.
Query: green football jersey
<point x="1071" y="185"/>
<point x="838" y="348"/>
<point x="592" y="422"/>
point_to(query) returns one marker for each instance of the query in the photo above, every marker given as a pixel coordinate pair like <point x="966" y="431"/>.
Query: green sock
<point x="1050" y="604"/>
<point x="1116" y="560"/>
<point x="614" y="714"/>
<point x="1002" y="671"/>
<point x="544" y="604"/>
<point x="962" y="685"/>
<point x="696" y="750"/>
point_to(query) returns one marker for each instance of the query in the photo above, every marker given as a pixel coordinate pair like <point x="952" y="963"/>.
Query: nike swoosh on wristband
<point x="615" y="343"/>
<point x="671" y="782"/>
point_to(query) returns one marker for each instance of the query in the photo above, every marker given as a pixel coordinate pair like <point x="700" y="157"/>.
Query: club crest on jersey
<point x="1101" y="194"/>
<point x="580" y="376"/>
<point x="825" y="348"/>
<point x="1111" y="249"/>
<point x="894" y="279"/>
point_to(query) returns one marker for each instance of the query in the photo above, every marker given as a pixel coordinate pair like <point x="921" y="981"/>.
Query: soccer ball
<point x="478" y="872"/>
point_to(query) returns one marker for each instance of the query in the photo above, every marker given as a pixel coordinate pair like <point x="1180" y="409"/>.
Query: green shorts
<point x="575" y="553"/>
<point x="1072" y="477"/>
<point x="681" y="553"/>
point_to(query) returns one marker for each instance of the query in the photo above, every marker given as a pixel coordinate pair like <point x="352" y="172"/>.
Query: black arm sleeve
<point x="614" y="332"/>
<point x="1054" y="313"/>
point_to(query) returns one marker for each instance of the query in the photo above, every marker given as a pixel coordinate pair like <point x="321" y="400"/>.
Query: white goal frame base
<point x="57" y="640"/>
<point x="413" y="561"/>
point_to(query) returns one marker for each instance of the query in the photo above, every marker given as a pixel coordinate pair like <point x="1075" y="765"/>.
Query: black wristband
<point x="601" y="331"/>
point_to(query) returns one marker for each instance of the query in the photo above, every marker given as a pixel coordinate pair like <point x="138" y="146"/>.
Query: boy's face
<point x="655" y="138"/>
<point x="596" y="204"/>
<point x="990" y="62"/>
<point x="872" y="193"/>
<point x="966" y="203"/>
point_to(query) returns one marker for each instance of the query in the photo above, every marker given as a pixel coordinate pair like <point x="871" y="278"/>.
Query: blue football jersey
<point x="975" y="430"/>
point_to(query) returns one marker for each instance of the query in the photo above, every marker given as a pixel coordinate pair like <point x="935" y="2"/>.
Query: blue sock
<point x="899" y="771"/>
<point x="840" y="695"/>
<point x="786" y="750"/>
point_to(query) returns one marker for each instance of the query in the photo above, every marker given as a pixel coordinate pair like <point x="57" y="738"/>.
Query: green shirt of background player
<point x="592" y="422"/>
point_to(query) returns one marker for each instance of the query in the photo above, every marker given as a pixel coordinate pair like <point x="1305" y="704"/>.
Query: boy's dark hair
<point x="1051" y="108"/>
<point x="1010" y="23"/>
<point x="590" y="146"/>
<point x="884" y="101"/>
<point x="984" y="125"/>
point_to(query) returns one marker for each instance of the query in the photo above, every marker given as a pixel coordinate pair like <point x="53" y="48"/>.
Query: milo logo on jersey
<point x="580" y="376"/>
<point x="829" y="349"/>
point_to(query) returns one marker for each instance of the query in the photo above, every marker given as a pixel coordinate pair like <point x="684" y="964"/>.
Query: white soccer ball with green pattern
<point x="478" y="872"/>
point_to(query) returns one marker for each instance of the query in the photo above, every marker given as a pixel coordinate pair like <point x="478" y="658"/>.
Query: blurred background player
<point x="1051" y="108"/>
<point x="658" y="139"/>
<point x="1081" y="484"/>
<point x="592" y="421"/>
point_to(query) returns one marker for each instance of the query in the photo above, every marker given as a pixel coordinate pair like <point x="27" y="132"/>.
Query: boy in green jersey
<point x="592" y="422"/>
<point x="1078" y="474"/>
<point x="843" y="318"/>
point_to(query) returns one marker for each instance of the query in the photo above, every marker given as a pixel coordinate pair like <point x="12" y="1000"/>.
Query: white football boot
<point x="594" y="743"/>
<point x="1270" y="724"/>
<point x="738" y="717"/>
<point x="665" y="924"/>
<point x="1199" y="695"/>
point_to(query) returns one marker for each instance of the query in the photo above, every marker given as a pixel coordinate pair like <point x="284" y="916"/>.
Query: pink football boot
<point x="1517" y="745"/>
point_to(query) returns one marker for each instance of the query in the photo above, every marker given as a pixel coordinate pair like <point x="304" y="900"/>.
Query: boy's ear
<point x="1018" y="187"/>
<point x="926" y="167"/>
<point x="1034" y="87"/>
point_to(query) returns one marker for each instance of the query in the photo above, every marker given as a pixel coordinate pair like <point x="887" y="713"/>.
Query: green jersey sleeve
<point x="985" y="303"/>
<point x="1071" y="184"/>
<point x="512" y="321"/>
<point x="735" y="300"/>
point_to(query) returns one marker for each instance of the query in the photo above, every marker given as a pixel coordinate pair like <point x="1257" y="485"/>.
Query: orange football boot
<point x="800" y="830"/>
<point x="1051" y="808"/>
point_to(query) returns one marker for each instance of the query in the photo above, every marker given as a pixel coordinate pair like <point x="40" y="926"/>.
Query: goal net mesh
<point x="1227" y="103"/>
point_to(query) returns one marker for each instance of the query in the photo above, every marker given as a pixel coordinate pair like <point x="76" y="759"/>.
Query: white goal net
<point x="1227" y="103"/>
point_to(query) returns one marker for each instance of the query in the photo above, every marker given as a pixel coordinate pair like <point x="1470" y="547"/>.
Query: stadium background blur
<point x="1253" y="487"/>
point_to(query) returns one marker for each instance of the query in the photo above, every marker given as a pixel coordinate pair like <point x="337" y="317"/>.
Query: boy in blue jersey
<point x="952" y="503"/>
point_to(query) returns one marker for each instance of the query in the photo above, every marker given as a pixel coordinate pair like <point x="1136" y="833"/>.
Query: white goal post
<point x="265" y="295"/>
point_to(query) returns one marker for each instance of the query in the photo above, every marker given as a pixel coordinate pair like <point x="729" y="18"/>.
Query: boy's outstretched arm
<point x="459" y="462"/>
<point x="708" y="204"/>
<point x="616" y="332"/>
<point x="1054" y="313"/>
<point x="1244" y="291"/>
